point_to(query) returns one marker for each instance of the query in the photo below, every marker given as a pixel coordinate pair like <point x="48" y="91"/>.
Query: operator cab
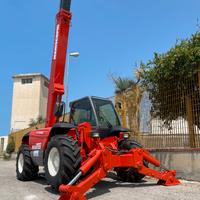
<point x="99" y="112"/>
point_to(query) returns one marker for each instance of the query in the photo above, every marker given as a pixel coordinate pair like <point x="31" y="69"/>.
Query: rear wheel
<point x="62" y="160"/>
<point x="129" y="174"/>
<point x="25" y="168"/>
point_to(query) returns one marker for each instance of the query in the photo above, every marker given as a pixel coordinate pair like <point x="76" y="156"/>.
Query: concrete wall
<point x="185" y="162"/>
<point x="29" y="100"/>
<point x="3" y="143"/>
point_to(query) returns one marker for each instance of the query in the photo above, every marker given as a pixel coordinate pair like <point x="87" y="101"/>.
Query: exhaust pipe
<point x="65" y="4"/>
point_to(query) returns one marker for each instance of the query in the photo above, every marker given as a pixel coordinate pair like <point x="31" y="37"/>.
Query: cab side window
<point x="81" y="111"/>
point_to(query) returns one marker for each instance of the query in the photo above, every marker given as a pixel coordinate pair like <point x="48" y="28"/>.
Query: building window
<point x="46" y="84"/>
<point x="27" y="81"/>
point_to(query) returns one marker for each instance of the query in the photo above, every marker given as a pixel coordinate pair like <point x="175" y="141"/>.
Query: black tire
<point x="69" y="160"/>
<point x="28" y="170"/>
<point x="129" y="174"/>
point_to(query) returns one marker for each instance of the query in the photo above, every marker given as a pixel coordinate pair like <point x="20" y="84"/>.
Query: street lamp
<point x="75" y="55"/>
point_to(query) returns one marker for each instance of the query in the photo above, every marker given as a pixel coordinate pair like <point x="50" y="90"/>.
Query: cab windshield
<point x="106" y="113"/>
<point x="81" y="111"/>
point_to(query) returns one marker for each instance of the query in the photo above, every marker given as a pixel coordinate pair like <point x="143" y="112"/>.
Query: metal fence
<point x="176" y="124"/>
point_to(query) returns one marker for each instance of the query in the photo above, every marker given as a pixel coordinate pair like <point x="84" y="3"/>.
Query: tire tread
<point x="70" y="160"/>
<point x="30" y="171"/>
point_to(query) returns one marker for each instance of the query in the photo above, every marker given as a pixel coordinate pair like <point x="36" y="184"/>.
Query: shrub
<point x="6" y="156"/>
<point x="11" y="146"/>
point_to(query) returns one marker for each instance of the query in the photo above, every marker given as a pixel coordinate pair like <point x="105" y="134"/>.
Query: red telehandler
<point x="78" y="154"/>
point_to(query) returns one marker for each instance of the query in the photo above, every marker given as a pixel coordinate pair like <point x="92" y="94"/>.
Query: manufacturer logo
<point x="40" y="132"/>
<point x="56" y="42"/>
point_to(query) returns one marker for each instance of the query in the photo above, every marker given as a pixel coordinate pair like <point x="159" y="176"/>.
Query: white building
<point x="30" y="93"/>
<point x="3" y="143"/>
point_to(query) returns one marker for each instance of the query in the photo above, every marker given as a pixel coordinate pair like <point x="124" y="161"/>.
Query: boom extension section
<point x="105" y="159"/>
<point x="56" y="86"/>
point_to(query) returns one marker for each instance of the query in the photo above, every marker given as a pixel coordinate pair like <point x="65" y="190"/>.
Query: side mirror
<point x="71" y="117"/>
<point x="58" y="109"/>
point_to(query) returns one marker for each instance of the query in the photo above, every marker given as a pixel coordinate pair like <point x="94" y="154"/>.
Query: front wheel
<point x="129" y="174"/>
<point x="62" y="160"/>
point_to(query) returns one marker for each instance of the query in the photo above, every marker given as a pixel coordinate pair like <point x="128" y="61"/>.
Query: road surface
<point x="107" y="189"/>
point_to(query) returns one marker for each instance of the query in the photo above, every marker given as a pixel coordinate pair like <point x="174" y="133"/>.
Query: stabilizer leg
<point x="170" y="179"/>
<point x="105" y="160"/>
<point x="76" y="192"/>
<point x="72" y="196"/>
<point x="167" y="177"/>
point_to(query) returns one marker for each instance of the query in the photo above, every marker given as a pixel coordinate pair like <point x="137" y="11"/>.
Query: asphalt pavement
<point x="108" y="189"/>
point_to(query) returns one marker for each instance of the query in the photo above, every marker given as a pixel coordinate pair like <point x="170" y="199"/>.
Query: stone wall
<point x="185" y="162"/>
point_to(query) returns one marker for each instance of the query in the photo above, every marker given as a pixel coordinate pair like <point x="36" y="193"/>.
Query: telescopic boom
<point x="56" y="85"/>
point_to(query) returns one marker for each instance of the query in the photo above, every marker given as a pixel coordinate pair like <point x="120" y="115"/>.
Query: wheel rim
<point x="53" y="161"/>
<point x="20" y="163"/>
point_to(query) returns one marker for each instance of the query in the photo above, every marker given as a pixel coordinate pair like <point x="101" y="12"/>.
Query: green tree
<point x="40" y="120"/>
<point x="173" y="72"/>
<point x="34" y="122"/>
<point x="11" y="146"/>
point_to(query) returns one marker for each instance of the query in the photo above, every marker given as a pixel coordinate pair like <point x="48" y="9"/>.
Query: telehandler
<point x="78" y="154"/>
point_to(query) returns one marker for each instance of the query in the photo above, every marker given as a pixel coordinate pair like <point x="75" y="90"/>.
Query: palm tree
<point x="127" y="99"/>
<point x="122" y="84"/>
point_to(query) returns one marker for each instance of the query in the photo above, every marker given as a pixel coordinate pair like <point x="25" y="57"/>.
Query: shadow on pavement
<point x="41" y="180"/>
<point x="104" y="186"/>
<point x="100" y="188"/>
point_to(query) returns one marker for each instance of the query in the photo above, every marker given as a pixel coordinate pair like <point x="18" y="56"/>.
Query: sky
<point x="111" y="36"/>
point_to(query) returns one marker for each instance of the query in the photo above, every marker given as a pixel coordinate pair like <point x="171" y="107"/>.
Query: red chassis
<point x="105" y="157"/>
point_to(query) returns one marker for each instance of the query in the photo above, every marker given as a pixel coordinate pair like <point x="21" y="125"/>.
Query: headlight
<point x="95" y="135"/>
<point x="126" y="135"/>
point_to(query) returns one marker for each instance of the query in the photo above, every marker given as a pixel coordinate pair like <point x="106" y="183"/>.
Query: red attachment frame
<point x="104" y="160"/>
<point x="56" y="85"/>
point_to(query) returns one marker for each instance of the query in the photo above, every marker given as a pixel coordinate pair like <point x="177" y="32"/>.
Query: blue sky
<point x="111" y="35"/>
